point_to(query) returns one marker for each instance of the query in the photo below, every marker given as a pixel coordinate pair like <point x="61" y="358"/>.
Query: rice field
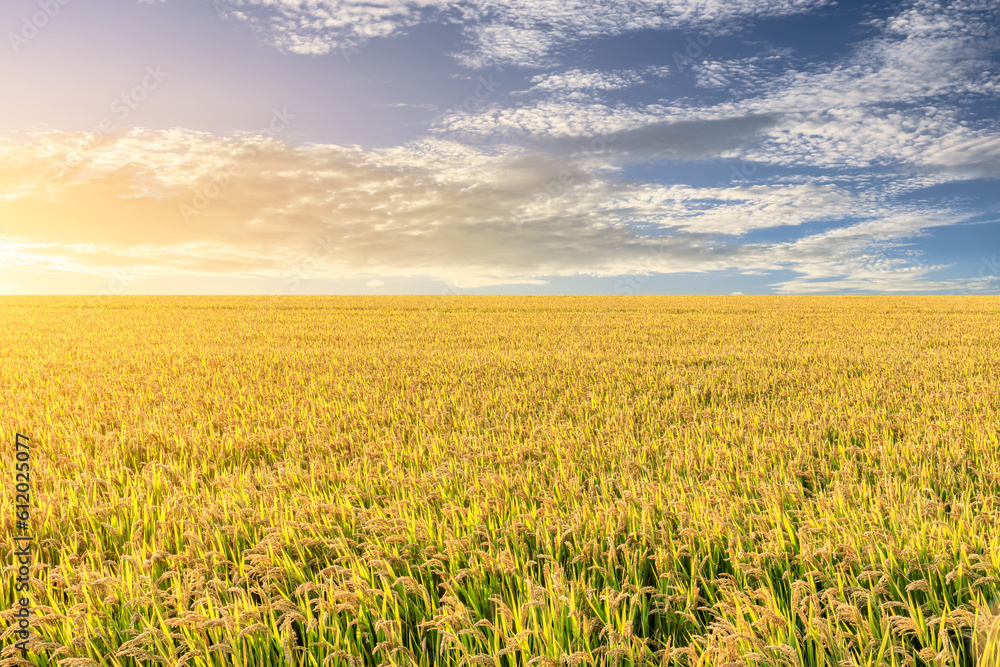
<point x="505" y="481"/>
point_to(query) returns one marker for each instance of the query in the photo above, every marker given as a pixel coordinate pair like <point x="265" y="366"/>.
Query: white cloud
<point x="469" y="216"/>
<point x="897" y="101"/>
<point x="967" y="153"/>
<point x="520" y="32"/>
<point x="581" y="80"/>
<point x="549" y="199"/>
<point x="855" y="257"/>
<point x="894" y="100"/>
<point x="737" y="210"/>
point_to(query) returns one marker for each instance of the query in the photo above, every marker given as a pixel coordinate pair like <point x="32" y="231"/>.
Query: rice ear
<point x="986" y="636"/>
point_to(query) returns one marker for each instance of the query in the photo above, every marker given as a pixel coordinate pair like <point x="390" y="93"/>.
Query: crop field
<point x="505" y="481"/>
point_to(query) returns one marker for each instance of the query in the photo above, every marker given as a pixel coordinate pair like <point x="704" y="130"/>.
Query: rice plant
<point x="507" y="481"/>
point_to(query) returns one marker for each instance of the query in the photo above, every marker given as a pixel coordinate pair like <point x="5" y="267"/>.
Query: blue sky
<point x="525" y="146"/>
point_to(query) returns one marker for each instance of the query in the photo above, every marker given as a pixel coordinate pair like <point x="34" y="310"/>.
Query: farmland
<point x="501" y="481"/>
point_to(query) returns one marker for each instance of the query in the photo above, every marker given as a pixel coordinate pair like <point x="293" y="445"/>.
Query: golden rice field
<point x="501" y="481"/>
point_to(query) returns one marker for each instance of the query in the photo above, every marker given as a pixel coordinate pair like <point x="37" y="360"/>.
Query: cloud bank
<point x="180" y="201"/>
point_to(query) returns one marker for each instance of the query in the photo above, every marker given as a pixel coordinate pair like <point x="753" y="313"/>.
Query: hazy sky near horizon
<point x="524" y="146"/>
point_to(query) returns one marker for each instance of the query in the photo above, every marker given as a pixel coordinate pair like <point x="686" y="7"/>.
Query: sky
<point x="514" y="147"/>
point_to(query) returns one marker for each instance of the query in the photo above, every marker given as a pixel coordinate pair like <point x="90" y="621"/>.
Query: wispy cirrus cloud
<point x="527" y="33"/>
<point x="896" y="100"/>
